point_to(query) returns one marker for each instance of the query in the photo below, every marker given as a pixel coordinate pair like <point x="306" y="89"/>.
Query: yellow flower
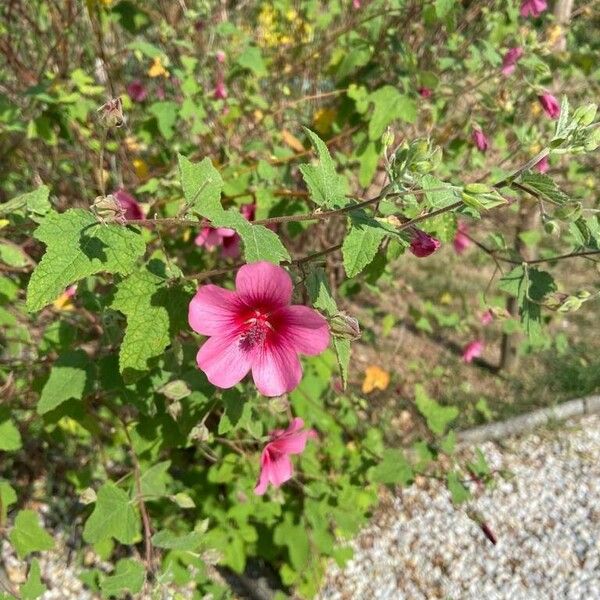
<point x="536" y="109"/>
<point x="553" y="34"/>
<point x="289" y="139"/>
<point x="323" y="120"/>
<point x="446" y="298"/>
<point x="187" y="234"/>
<point x="4" y="223"/>
<point x="132" y="144"/>
<point x="140" y="168"/>
<point x="65" y="300"/>
<point x="375" y="378"/>
<point x="157" y="69"/>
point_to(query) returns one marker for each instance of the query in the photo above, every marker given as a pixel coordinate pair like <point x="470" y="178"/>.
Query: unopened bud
<point x="583" y="294"/>
<point x="584" y="115"/>
<point x="344" y="326"/>
<point x="478" y="188"/>
<point x="551" y="227"/>
<point x="387" y="139"/>
<point x="111" y="113"/>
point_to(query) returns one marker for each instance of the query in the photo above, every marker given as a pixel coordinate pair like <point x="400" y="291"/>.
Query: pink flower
<point x="220" y="56"/>
<point x="129" y="204"/>
<point x="220" y="92"/>
<point x="137" y="91"/>
<point x="486" y="317"/>
<point x="480" y="140"/>
<point x="275" y="464"/>
<point x="423" y="244"/>
<point x="510" y="60"/>
<point x="228" y="239"/>
<point x="356" y="4"/>
<point x="542" y="165"/>
<point x="550" y="105"/>
<point x="424" y="92"/>
<point x="461" y="239"/>
<point x="533" y="8"/>
<point x="472" y="350"/>
<point x="255" y="328"/>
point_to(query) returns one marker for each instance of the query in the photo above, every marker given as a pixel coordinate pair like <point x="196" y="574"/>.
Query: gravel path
<point x="546" y="520"/>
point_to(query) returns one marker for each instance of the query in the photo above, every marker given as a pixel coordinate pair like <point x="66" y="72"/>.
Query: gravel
<point x="546" y="520"/>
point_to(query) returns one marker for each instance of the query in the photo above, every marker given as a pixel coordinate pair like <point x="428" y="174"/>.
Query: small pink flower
<point x="255" y="329"/>
<point x="275" y="463"/>
<point x="542" y="165"/>
<point x="423" y="244"/>
<point x="533" y="8"/>
<point x="425" y="92"/>
<point x="550" y="105"/>
<point x="472" y="350"/>
<point x="137" y="91"/>
<point x="510" y="60"/>
<point x="129" y="204"/>
<point x="461" y="239"/>
<point x="220" y="92"/>
<point x="480" y="140"/>
<point x="356" y="4"/>
<point x="486" y="317"/>
<point x="228" y="239"/>
<point x="220" y="56"/>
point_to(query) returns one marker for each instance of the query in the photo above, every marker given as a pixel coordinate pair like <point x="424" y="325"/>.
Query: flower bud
<point x="584" y="115"/>
<point x="583" y="294"/>
<point x="108" y="208"/>
<point x="344" y="326"/>
<point x="111" y="113"/>
<point x="551" y="227"/>
<point x="387" y="139"/>
<point x="478" y="188"/>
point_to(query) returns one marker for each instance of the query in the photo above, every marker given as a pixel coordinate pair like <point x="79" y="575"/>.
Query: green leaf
<point x="28" y="536"/>
<point x="319" y="292"/>
<point x="166" y="117"/>
<point x="129" y="577"/>
<point x="545" y="186"/>
<point x="13" y="255"/>
<point x="77" y="247"/>
<point x="67" y="380"/>
<point x="529" y="286"/>
<point x="438" y="417"/>
<point x="36" y="203"/>
<point x="326" y="187"/>
<point x="438" y="193"/>
<point x="143" y="299"/>
<point x="114" y="516"/>
<point x="167" y="539"/>
<point x="295" y="537"/>
<point x="458" y="491"/>
<point x="8" y="497"/>
<point x="202" y="185"/>
<point x="361" y="242"/>
<point x="343" y="350"/>
<point x="251" y="59"/>
<point x="33" y="588"/>
<point x="10" y="438"/>
<point x="154" y="481"/>
<point x="260" y="243"/>
<point x="390" y="105"/>
<point x="237" y="413"/>
<point x="393" y="468"/>
<point x="443" y="8"/>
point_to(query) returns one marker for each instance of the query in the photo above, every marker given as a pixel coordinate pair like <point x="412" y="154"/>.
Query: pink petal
<point x="276" y="369"/>
<point x="264" y="284"/>
<point x="213" y="311"/>
<point x="231" y="247"/>
<point x="280" y="468"/>
<point x="263" y="480"/>
<point x="225" y="232"/>
<point x="223" y="361"/>
<point x="293" y="443"/>
<point x="305" y="329"/>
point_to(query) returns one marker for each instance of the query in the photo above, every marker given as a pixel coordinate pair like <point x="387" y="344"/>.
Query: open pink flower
<point x="228" y="239"/>
<point x="533" y="8"/>
<point x="461" y="239"/>
<point x="137" y="91"/>
<point x="480" y="140"/>
<point x="472" y="350"/>
<point x="542" y="165"/>
<point x="255" y="328"/>
<point x="355" y="4"/>
<point x="510" y="60"/>
<point x="129" y="204"/>
<point x="550" y="105"/>
<point x="275" y="463"/>
<point x="425" y="92"/>
<point x="220" y="56"/>
<point x="423" y="244"/>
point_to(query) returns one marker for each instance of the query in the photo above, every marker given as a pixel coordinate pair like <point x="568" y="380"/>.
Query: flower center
<point x="255" y="331"/>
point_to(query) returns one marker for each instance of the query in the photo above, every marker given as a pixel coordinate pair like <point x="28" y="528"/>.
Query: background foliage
<point x="346" y="124"/>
